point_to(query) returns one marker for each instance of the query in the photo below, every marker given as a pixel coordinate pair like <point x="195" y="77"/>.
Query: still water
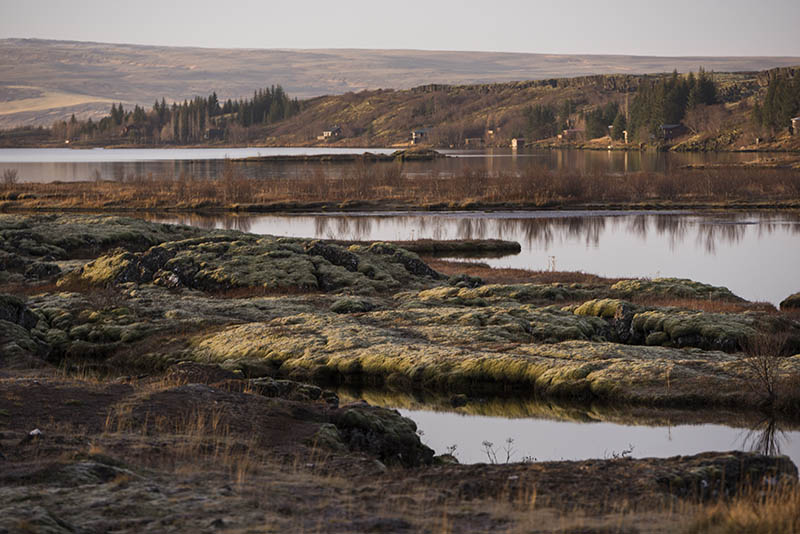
<point x="63" y="164"/>
<point x="755" y="255"/>
<point x="552" y="439"/>
<point x="545" y="430"/>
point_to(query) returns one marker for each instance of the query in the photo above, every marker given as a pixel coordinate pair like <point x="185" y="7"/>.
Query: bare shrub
<point x="762" y="362"/>
<point x="10" y="176"/>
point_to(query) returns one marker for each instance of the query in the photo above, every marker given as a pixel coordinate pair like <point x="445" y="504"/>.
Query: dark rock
<point x="711" y="475"/>
<point x="14" y="310"/>
<point x="40" y="270"/>
<point x="153" y="260"/>
<point x="352" y="305"/>
<point x="286" y="389"/>
<point x="465" y="280"/>
<point x="792" y="302"/>
<point x="383" y="433"/>
<point x="334" y="254"/>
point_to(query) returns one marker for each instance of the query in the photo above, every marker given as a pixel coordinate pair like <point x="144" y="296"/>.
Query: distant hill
<point x="42" y="81"/>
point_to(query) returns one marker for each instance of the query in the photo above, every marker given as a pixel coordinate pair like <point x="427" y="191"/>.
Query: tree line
<point x="655" y="103"/>
<point x="190" y="121"/>
<point x="781" y="102"/>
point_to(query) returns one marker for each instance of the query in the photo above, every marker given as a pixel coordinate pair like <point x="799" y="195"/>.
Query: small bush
<point x="10" y="176"/>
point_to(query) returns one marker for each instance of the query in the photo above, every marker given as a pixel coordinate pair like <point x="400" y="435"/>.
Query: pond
<point x="523" y="429"/>
<point x="547" y="439"/>
<point x="63" y="164"/>
<point x="755" y="255"/>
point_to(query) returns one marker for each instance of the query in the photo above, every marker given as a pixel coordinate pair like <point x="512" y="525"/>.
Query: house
<point x="518" y="142"/>
<point x="473" y="141"/>
<point x="332" y="132"/>
<point x="132" y="129"/>
<point x="572" y="134"/>
<point x="212" y="134"/>
<point x="419" y="134"/>
<point x="795" y="125"/>
<point x="671" y="131"/>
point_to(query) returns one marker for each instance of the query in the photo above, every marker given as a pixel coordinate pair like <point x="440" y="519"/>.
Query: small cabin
<point x="518" y="142"/>
<point x="671" y="131"/>
<point x="473" y="141"/>
<point x="572" y="134"/>
<point x="795" y="125"/>
<point x="418" y="135"/>
<point x="334" y="131"/>
<point x="214" y="134"/>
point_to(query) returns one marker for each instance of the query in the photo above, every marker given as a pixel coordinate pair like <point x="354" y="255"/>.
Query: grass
<point x="385" y="185"/>
<point x="775" y="511"/>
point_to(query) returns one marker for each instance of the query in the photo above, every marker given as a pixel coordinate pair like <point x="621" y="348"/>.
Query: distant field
<point x="25" y="99"/>
<point x="68" y="72"/>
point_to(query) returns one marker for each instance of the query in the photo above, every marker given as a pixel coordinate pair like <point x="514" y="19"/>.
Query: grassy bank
<point x="385" y="187"/>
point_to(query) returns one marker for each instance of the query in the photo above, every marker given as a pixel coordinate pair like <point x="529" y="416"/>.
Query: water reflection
<point x="553" y="431"/>
<point x="766" y="437"/>
<point x="753" y="254"/>
<point x="47" y="165"/>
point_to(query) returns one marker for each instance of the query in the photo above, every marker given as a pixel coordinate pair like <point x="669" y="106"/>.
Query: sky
<point x="629" y="27"/>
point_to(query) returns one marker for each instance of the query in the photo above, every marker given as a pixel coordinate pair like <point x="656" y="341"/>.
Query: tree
<point x="619" y="126"/>
<point x="541" y="122"/>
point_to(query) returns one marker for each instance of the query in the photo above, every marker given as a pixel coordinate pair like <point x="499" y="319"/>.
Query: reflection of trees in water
<point x="337" y="227"/>
<point x="765" y="438"/>
<point x="708" y="234"/>
<point x="541" y="232"/>
<point x="674" y="227"/>
<point x="472" y="228"/>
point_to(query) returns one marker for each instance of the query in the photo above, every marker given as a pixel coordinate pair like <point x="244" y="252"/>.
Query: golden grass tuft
<point x="775" y="511"/>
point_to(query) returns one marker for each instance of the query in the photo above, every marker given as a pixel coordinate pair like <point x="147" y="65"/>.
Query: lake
<point x="64" y="164"/>
<point x="756" y="255"/>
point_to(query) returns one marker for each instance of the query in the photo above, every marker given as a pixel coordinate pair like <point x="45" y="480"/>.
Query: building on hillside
<point x="214" y="134"/>
<point x="332" y="132"/>
<point x="418" y="135"/>
<point x="518" y="142"/>
<point x="795" y="125"/>
<point x="474" y="141"/>
<point x="671" y="131"/>
<point x="572" y="134"/>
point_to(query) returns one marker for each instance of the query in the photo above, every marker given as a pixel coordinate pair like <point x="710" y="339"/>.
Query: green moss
<point x="672" y="288"/>
<point x="605" y="308"/>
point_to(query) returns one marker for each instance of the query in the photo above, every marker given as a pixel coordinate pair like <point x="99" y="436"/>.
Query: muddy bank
<point x="367" y="157"/>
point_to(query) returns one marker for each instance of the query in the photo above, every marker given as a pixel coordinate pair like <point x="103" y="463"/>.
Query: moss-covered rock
<point x="225" y="262"/>
<point x="792" y="302"/>
<point x="681" y="288"/>
<point x="32" y="245"/>
<point x="383" y="433"/>
<point x="352" y="305"/>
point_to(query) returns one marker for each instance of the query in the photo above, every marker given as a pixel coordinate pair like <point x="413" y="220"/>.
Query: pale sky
<point x="636" y="27"/>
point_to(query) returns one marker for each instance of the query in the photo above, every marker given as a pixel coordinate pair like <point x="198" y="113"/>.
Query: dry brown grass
<point x="386" y="184"/>
<point x="774" y="511"/>
<point x="514" y="276"/>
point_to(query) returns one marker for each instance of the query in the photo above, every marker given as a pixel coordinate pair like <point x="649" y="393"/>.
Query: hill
<point x="42" y="81"/>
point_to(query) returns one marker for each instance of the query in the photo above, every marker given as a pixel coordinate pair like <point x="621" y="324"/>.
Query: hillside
<point x="43" y="81"/>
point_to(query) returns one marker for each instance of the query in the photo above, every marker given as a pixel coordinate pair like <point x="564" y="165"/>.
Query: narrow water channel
<point x="755" y="255"/>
